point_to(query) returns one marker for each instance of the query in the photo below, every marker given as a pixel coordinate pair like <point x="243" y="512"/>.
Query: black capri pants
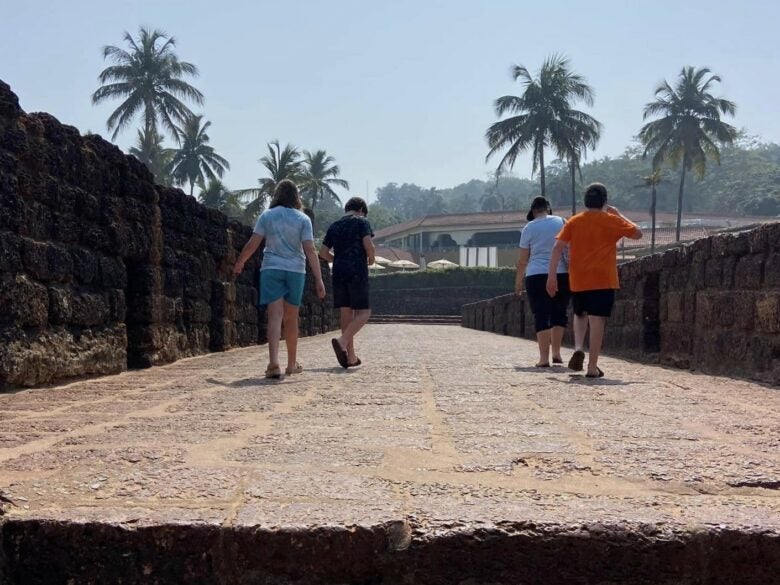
<point x="548" y="311"/>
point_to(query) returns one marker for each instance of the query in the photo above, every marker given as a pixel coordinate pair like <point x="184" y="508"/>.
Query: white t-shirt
<point x="284" y="230"/>
<point x="539" y="237"/>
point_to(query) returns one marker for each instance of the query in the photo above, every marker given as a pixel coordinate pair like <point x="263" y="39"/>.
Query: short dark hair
<point x="356" y="204"/>
<point x="286" y="195"/>
<point x="595" y="196"/>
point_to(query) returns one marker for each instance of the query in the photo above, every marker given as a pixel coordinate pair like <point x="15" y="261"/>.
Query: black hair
<point x="595" y="196"/>
<point x="356" y="204"/>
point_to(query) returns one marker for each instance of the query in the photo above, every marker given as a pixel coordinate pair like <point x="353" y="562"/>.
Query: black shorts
<point x="597" y="303"/>
<point x="548" y="311"/>
<point x="350" y="293"/>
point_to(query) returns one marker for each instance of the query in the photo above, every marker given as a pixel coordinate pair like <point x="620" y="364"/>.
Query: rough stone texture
<point x="429" y="301"/>
<point x="101" y="269"/>
<point x="444" y="460"/>
<point x="712" y="306"/>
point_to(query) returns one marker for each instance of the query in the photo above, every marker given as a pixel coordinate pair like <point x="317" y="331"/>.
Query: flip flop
<point x="576" y="361"/>
<point x="273" y="373"/>
<point x="356" y="364"/>
<point x="341" y="353"/>
<point x="557" y="361"/>
<point x="542" y="365"/>
<point x="294" y="370"/>
<point x="599" y="375"/>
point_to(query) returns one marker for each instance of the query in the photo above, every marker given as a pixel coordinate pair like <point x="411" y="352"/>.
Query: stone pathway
<point x="444" y="430"/>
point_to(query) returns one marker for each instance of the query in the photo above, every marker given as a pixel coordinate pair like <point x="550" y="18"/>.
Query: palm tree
<point x="281" y="163"/>
<point x="149" y="150"/>
<point x="653" y="180"/>
<point x="320" y="174"/>
<point x="577" y="140"/>
<point x="217" y="196"/>
<point x="544" y="116"/>
<point x="195" y="160"/>
<point x="150" y="78"/>
<point x="689" y="129"/>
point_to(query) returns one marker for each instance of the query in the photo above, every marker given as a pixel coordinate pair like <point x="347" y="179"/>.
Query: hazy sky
<point x="396" y="91"/>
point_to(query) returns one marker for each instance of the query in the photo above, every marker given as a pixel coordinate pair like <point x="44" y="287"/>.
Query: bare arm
<point x="250" y="248"/>
<point x="552" y="273"/>
<point x="368" y="246"/>
<point x="637" y="233"/>
<point x="314" y="264"/>
<point x="522" y="264"/>
<point x="326" y="254"/>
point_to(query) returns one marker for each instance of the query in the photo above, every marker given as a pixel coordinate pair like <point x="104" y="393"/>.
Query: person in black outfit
<point x="349" y="246"/>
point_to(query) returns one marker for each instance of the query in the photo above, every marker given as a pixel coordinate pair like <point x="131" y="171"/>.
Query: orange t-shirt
<point x="592" y="237"/>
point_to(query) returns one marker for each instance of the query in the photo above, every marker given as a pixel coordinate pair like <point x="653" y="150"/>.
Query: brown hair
<point x="356" y="204"/>
<point x="286" y="194"/>
<point x="595" y="196"/>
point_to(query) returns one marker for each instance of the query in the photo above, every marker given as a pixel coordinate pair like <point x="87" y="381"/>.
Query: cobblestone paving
<point x="442" y="426"/>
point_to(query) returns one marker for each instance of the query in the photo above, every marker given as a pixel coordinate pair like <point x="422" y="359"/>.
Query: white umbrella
<point x="403" y="264"/>
<point x="442" y="264"/>
<point x="376" y="266"/>
<point x="381" y="260"/>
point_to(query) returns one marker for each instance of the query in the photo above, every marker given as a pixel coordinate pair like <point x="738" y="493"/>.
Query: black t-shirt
<point x="345" y="238"/>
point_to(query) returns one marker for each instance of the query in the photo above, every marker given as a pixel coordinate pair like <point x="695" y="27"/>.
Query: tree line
<point x="153" y="82"/>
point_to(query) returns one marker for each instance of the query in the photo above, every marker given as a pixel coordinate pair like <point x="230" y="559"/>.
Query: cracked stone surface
<point x="443" y="432"/>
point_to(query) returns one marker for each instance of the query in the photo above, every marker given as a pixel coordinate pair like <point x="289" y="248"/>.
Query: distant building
<point x="443" y="236"/>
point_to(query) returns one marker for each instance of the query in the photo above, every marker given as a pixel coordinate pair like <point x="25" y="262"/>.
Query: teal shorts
<point x="281" y="284"/>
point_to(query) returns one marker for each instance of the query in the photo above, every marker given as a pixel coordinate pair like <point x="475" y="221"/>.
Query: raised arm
<point x="326" y="253"/>
<point x="635" y="234"/>
<point x="314" y="264"/>
<point x="250" y="248"/>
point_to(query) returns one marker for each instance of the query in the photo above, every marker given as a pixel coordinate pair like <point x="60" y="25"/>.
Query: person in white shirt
<point x="550" y="313"/>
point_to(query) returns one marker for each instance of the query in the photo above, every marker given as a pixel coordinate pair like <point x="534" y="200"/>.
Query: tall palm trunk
<point x="652" y="221"/>
<point x="680" y="197"/>
<point x="573" y="169"/>
<point x="541" y="172"/>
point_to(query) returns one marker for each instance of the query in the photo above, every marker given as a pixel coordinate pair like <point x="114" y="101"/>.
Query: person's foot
<point x="557" y="360"/>
<point x="354" y="362"/>
<point x="594" y="373"/>
<point x="273" y="372"/>
<point x="577" y="360"/>
<point x="542" y="365"/>
<point x="294" y="369"/>
<point x="341" y="353"/>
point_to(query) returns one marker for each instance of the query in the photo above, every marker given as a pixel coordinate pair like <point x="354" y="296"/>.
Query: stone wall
<point x="429" y="301"/>
<point x="100" y="268"/>
<point x="713" y="305"/>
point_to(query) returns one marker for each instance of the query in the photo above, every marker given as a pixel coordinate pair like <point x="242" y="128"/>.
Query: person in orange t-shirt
<point x="591" y="237"/>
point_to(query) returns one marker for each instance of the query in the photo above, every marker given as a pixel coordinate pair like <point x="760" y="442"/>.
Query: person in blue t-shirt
<point x="349" y="246"/>
<point x="289" y="242"/>
<point x="536" y="243"/>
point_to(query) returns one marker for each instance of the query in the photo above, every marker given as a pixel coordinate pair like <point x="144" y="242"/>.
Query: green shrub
<point x="451" y="278"/>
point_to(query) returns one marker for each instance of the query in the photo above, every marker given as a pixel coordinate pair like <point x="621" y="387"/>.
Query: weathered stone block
<point x="10" y="252"/>
<point x="36" y="259"/>
<point x="768" y="313"/>
<point x="22" y="301"/>
<point x="60" y="263"/>
<point x="89" y="309"/>
<point x="772" y="270"/>
<point x="748" y="271"/>
<point x="60" y="305"/>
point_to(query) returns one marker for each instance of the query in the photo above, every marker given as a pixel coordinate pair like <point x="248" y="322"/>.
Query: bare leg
<point x="580" y="331"/>
<point x="557" y="340"/>
<point x="596" y="339"/>
<point x="543" y="339"/>
<point x="291" y="333"/>
<point x="347" y="315"/>
<point x="274" y="329"/>
<point x="348" y="335"/>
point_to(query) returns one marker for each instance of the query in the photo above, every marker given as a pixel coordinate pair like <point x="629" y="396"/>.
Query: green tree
<point x="320" y="175"/>
<point x="653" y="180"/>
<point x="149" y="78"/>
<point x="281" y="163"/>
<point x="689" y="127"/>
<point x="195" y="161"/>
<point x="381" y="217"/>
<point x="217" y="196"/>
<point x="577" y="140"/>
<point x="149" y="150"/>
<point x="544" y="116"/>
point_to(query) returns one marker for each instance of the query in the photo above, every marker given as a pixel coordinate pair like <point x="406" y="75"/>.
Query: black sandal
<point x="356" y="364"/>
<point x="341" y="353"/>
<point x="599" y="375"/>
<point x="577" y="360"/>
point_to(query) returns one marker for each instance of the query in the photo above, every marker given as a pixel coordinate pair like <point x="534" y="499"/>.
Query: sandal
<point x="356" y="364"/>
<point x="541" y="365"/>
<point x="274" y="373"/>
<point x="576" y="361"/>
<point x="557" y="361"/>
<point x="600" y="374"/>
<point x="341" y="353"/>
<point x="296" y="369"/>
